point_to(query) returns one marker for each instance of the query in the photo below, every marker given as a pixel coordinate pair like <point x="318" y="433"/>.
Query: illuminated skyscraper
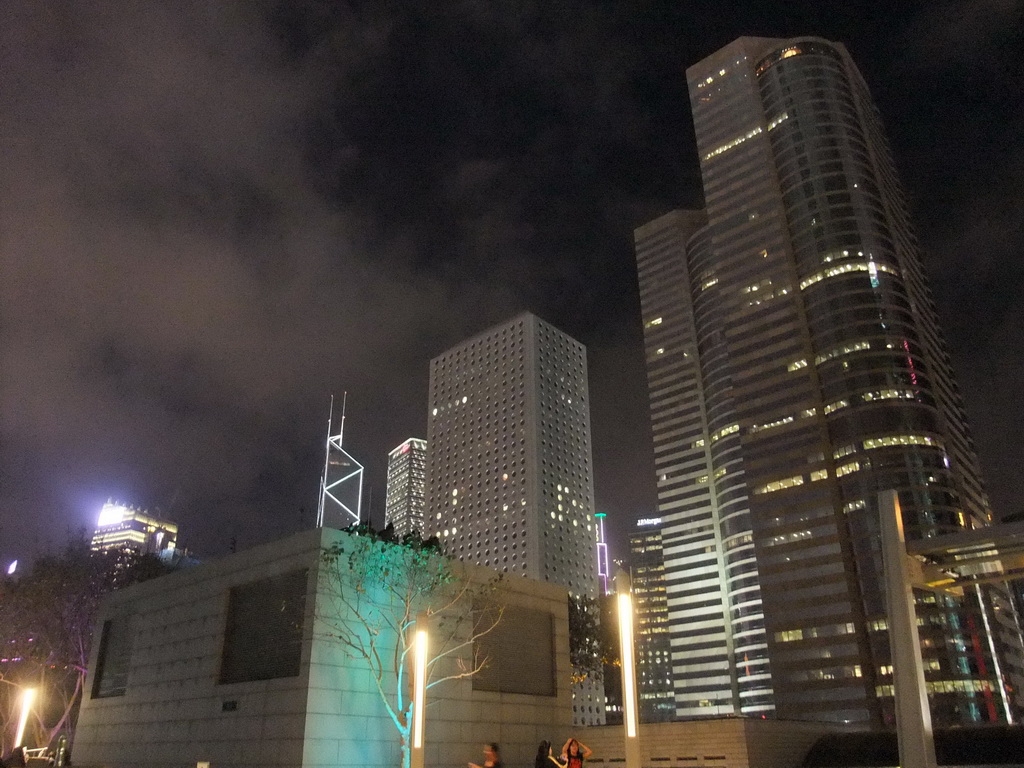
<point x="795" y="370"/>
<point x="121" y="527"/>
<point x="407" y="487"/>
<point x="653" y="651"/>
<point x="509" y="481"/>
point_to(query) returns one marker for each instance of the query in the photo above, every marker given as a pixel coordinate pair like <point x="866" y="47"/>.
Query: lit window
<point x="760" y="286"/>
<point x="842" y="269"/>
<point x="771" y="424"/>
<point x="778" y="485"/>
<point x="748" y="135"/>
<point x="833" y="407"/>
<point x="888" y="394"/>
<point x="732" y="428"/>
<point x="846" y="450"/>
<point x="846" y="469"/>
<point x="789" y="635"/>
<point x="846" y="349"/>
<point x="892" y="440"/>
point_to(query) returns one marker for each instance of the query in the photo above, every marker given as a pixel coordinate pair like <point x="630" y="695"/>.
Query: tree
<point x="46" y="627"/>
<point x="587" y="650"/>
<point x="373" y="589"/>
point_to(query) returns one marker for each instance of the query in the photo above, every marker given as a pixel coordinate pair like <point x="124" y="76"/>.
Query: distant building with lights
<point x="509" y="480"/>
<point x="407" y="487"/>
<point x="123" y="527"/>
<point x="653" y="651"/>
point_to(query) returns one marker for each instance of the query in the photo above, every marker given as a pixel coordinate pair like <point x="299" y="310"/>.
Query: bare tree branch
<point x="373" y="592"/>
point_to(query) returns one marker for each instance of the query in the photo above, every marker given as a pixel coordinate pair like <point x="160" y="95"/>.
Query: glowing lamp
<point x="623" y="588"/>
<point x="628" y="667"/>
<point x="12" y="567"/>
<point x="419" y="691"/>
<point x="419" y="694"/>
<point x="26" y="706"/>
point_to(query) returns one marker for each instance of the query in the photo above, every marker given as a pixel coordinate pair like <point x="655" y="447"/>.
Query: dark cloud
<point x="212" y="217"/>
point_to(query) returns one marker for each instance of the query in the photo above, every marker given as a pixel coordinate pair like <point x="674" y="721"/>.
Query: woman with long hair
<point x="574" y="753"/>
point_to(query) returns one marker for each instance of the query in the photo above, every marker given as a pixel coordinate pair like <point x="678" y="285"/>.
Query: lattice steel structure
<point x="341" y="486"/>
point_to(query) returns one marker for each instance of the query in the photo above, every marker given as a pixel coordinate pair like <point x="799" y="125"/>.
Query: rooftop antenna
<point x="341" y="487"/>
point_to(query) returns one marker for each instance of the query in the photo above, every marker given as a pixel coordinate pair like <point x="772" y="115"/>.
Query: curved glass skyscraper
<point x="796" y="369"/>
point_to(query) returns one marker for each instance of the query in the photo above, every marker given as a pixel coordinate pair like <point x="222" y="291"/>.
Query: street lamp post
<point x="630" y="718"/>
<point x="913" y="717"/>
<point x="419" y="691"/>
<point x="26" y="705"/>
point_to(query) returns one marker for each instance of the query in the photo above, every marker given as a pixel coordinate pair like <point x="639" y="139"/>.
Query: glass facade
<point x="653" y="652"/>
<point x="795" y="370"/>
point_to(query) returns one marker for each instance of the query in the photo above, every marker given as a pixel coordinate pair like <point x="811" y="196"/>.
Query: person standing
<point x="545" y="758"/>
<point x="574" y="753"/>
<point x="492" y="757"/>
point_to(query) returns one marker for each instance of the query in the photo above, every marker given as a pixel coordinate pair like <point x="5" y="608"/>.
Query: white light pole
<point x="26" y="705"/>
<point x="419" y="691"/>
<point x="913" y="717"/>
<point x="630" y="716"/>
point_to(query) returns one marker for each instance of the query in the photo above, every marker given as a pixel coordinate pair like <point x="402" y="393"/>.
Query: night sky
<point x="214" y="215"/>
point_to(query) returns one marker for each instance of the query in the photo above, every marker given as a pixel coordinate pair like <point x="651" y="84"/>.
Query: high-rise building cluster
<point x="795" y="370"/>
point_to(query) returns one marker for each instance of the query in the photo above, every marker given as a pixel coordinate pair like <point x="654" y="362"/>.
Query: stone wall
<point x="716" y="743"/>
<point x="174" y="712"/>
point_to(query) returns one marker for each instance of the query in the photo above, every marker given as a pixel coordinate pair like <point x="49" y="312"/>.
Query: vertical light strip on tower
<point x="602" y="553"/>
<point x="342" y="474"/>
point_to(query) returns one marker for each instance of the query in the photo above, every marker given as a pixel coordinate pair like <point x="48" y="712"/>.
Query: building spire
<point x="341" y="485"/>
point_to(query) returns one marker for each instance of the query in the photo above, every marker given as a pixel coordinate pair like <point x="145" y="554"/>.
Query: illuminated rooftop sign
<point x="643" y="521"/>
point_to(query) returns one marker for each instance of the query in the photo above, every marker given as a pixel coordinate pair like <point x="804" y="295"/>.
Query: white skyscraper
<point x="407" y="486"/>
<point x="509" y="483"/>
